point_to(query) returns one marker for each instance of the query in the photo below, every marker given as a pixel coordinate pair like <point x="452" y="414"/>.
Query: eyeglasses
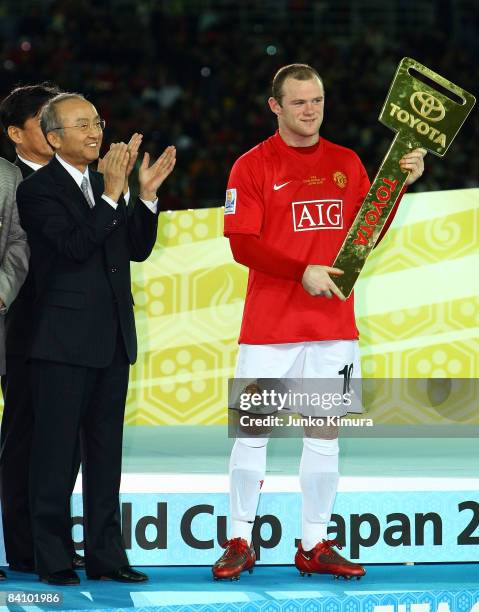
<point x="85" y="126"/>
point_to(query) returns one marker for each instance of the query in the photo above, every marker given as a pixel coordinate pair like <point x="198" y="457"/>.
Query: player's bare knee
<point x="255" y="430"/>
<point x="322" y="432"/>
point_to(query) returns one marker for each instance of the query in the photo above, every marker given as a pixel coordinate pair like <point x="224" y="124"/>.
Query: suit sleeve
<point x="142" y="230"/>
<point x="14" y="265"/>
<point x="43" y="216"/>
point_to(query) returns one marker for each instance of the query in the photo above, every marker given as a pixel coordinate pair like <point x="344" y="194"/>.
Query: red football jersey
<point x="301" y="201"/>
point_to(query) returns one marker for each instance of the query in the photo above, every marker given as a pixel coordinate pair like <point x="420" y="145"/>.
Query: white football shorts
<point x="336" y="360"/>
<point x="325" y="359"/>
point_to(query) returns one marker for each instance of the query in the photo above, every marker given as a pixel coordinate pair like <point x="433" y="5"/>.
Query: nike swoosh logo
<point x="305" y="557"/>
<point x="276" y="187"/>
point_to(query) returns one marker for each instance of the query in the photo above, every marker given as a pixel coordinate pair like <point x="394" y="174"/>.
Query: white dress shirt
<point x="33" y="165"/>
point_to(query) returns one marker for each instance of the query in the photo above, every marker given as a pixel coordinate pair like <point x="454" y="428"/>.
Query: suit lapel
<point x="72" y="195"/>
<point x="24" y="168"/>
<point x="69" y="191"/>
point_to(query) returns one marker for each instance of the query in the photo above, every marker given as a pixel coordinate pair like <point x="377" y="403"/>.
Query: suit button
<point x="113" y="269"/>
<point x="114" y="222"/>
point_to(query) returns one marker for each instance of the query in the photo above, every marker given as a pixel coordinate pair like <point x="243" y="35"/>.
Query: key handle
<point x="425" y="108"/>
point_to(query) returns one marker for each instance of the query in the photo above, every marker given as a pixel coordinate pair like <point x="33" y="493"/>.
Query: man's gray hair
<point x="50" y="118"/>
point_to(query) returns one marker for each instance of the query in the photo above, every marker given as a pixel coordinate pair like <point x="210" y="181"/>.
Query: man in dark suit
<point x="82" y="237"/>
<point x="20" y="119"/>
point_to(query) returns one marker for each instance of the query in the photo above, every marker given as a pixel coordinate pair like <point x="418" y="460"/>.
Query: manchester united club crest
<point x="340" y="179"/>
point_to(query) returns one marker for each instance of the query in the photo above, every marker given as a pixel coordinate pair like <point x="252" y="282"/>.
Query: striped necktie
<point x="84" y="188"/>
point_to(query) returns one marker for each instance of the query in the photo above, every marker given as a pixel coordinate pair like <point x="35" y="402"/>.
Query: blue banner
<point x="375" y="527"/>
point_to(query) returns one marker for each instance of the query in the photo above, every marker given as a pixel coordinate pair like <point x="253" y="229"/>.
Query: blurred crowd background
<point x="197" y="73"/>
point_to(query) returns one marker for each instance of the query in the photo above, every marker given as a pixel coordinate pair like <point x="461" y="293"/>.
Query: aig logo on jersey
<point x="317" y="215"/>
<point x="230" y="202"/>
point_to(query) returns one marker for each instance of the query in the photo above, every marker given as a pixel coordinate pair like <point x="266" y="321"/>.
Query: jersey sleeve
<point x="244" y="199"/>
<point x="363" y="185"/>
<point x="253" y="253"/>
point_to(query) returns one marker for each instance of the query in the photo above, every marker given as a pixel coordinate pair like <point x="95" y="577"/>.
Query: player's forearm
<point x="251" y="252"/>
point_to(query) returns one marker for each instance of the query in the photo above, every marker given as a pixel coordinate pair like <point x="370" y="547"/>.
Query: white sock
<point x="318" y="476"/>
<point x="247" y="470"/>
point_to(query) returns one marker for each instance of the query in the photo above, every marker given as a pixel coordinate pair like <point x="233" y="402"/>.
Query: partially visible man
<point x="82" y="238"/>
<point x="20" y="119"/>
<point x="13" y="250"/>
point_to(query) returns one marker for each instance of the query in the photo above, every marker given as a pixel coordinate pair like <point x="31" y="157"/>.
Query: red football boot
<point x="237" y="557"/>
<point x="322" y="559"/>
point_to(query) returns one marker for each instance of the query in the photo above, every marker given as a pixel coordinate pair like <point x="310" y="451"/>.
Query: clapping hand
<point x="114" y="167"/>
<point x="151" y="177"/>
<point x="133" y="147"/>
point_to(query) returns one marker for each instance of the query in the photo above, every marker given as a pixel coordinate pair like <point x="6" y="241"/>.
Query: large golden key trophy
<point x="422" y="116"/>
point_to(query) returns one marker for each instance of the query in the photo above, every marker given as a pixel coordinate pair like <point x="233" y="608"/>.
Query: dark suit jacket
<point x="24" y="168"/>
<point x="80" y="262"/>
<point x="19" y="316"/>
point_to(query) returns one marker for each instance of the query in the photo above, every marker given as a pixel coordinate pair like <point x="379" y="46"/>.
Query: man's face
<point x="81" y="140"/>
<point x="300" y="113"/>
<point x="30" y="142"/>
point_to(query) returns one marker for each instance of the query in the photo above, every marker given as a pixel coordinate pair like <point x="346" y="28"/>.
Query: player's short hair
<point x="25" y="102"/>
<point x="50" y="118"/>
<point x="301" y="72"/>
